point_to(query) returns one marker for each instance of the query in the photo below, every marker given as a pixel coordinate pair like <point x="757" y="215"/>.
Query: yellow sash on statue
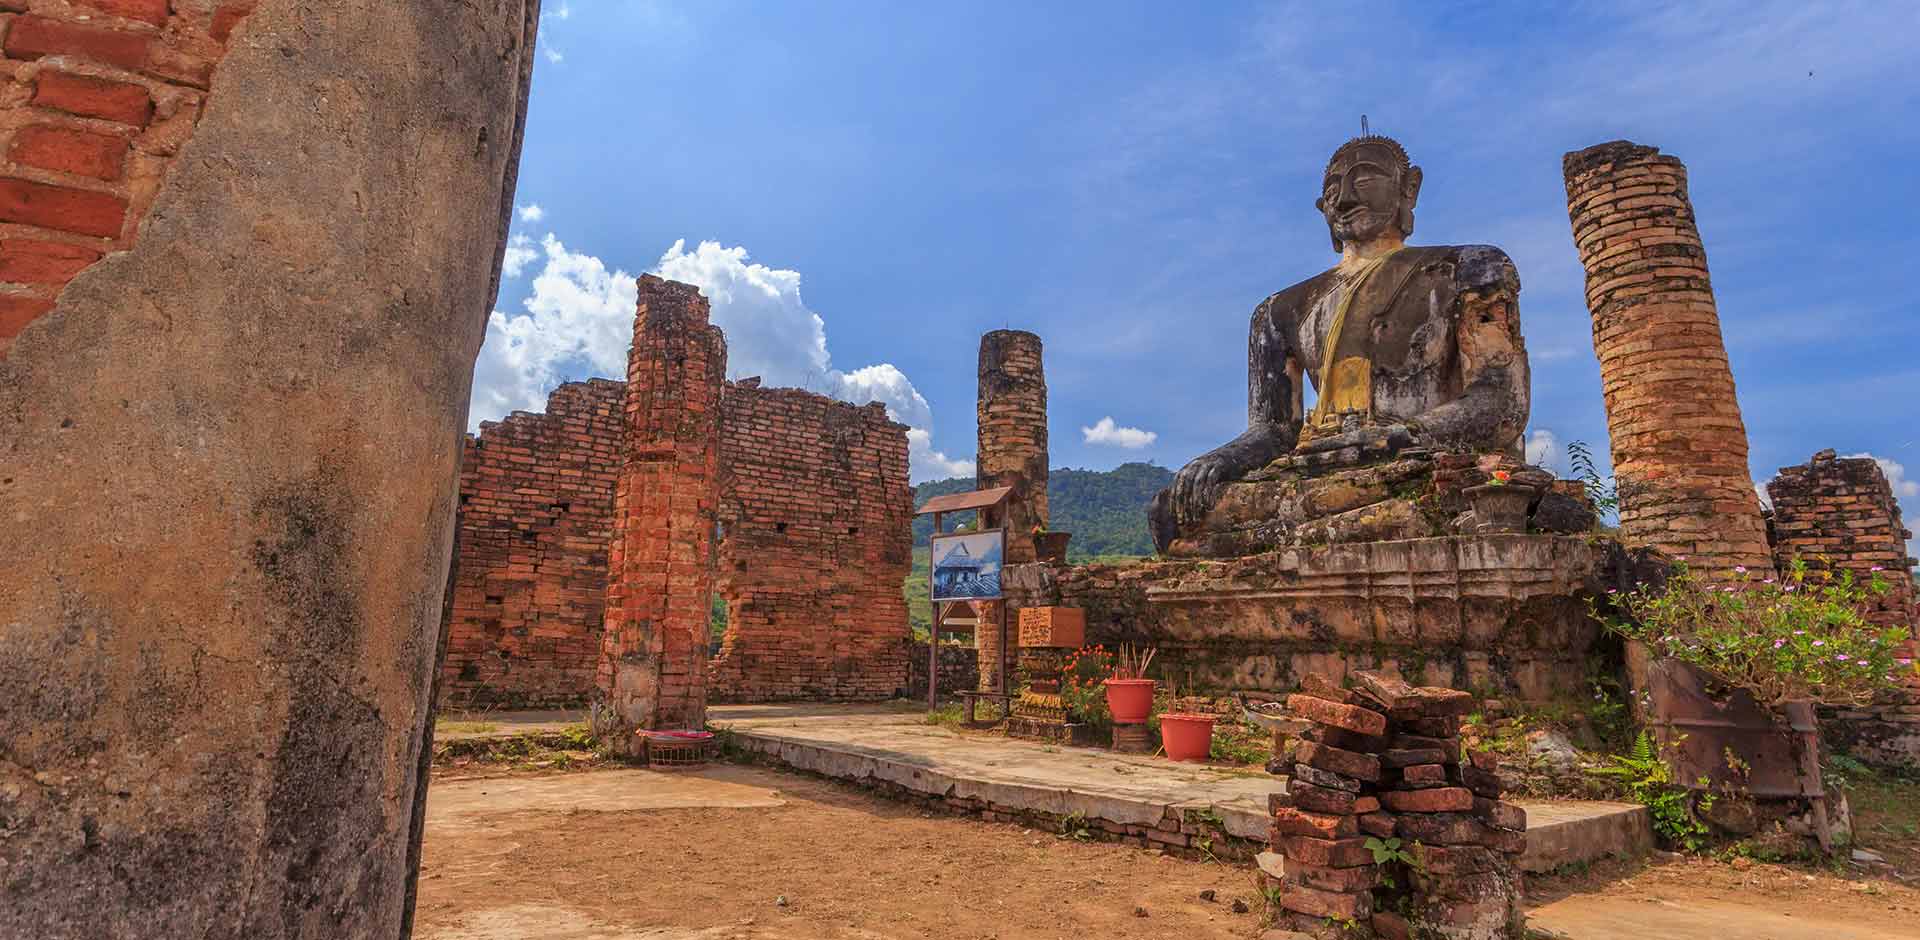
<point x="1346" y="382"/>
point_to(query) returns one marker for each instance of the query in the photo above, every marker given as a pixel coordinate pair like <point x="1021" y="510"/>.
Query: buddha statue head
<point x="1368" y="192"/>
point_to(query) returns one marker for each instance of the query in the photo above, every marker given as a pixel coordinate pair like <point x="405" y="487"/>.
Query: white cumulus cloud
<point x="520" y="252"/>
<point x="579" y="322"/>
<point x="531" y="212"/>
<point x="1106" y="432"/>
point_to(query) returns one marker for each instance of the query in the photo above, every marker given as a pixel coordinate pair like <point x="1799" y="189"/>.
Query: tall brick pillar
<point x="1679" y="447"/>
<point x="1012" y="451"/>
<point x="1012" y="422"/>
<point x="660" y="581"/>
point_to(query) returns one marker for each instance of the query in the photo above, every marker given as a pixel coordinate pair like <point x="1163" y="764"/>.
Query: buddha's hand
<point x="1198" y="484"/>
<point x="1388" y="439"/>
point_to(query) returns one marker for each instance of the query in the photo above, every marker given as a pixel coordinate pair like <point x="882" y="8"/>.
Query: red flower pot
<point x="1186" y="736"/>
<point x="1130" y="700"/>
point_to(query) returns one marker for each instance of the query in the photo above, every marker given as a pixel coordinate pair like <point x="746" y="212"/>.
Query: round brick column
<point x="1012" y="447"/>
<point x="1679" y="447"/>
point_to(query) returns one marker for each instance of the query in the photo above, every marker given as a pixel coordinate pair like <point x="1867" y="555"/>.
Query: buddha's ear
<point x="1410" y="187"/>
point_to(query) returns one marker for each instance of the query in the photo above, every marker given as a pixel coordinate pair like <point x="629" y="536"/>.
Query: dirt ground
<point x="524" y="851"/>
<point x="547" y="856"/>
<point x="1673" y="896"/>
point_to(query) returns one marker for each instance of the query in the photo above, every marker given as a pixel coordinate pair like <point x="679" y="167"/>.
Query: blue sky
<point x="880" y="183"/>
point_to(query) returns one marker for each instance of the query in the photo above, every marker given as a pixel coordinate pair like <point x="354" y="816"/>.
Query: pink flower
<point x="1799" y="633"/>
<point x="1740" y="569"/>
<point x="1877" y="568"/>
<point x="1779" y="643"/>
<point x="1727" y="590"/>
<point x="1789" y="589"/>
<point x="1819" y="642"/>
<point x="1842" y="657"/>
<point x="1904" y="662"/>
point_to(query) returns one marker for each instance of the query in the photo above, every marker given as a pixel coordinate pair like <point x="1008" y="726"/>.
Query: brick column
<point x="1012" y="423"/>
<point x="1679" y="447"/>
<point x="653" y="652"/>
<point x="1838" y="513"/>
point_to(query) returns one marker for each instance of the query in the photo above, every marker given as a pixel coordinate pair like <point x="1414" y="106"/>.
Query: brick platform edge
<point x="1555" y="839"/>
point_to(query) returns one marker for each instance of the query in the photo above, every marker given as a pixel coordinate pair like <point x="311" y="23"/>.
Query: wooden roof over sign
<point x="956" y="502"/>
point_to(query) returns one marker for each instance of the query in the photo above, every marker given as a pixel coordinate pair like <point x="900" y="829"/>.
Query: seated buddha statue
<point x="1408" y="348"/>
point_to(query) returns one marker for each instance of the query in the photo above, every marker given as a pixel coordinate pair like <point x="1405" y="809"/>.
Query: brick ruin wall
<point x="1679" y="444"/>
<point x="816" y="517"/>
<point x="1011" y="450"/>
<point x="815" y="512"/>
<point x="1839" y="513"/>
<point x="99" y="97"/>
<point x="530" y="589"/>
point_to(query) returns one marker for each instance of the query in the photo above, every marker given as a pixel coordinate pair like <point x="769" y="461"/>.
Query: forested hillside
<point x="1106" y="510"/>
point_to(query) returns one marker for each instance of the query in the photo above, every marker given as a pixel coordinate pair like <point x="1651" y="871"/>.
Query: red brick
<point x="1377" y="824"/>
<point x="1320" y="799"/>
<point x="151" y="11"/>
<point x="1365" y="767"/>
<point x="1453" y="859"/>
<point x="25" y="261"/>
<point x="1424" y="773"/>
<point x="1349" y="717"/>
<point x="31" y="37"/>
<point x="1390" y="926"/>
<point x="87" y="96"/>
<point x="57" y="207"/>
<point x="1338" y="853"/>
<point x="17" y="311"/>
<point x="66" y="150"/>
<point x="1438" y="800"/>
<point x="1289" y="821"/>
<point x="1326" y="878"/>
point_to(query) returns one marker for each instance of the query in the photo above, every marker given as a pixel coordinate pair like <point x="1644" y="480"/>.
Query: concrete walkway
<point x="893" y="742"/>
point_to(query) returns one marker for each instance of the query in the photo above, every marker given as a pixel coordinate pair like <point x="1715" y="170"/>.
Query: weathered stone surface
<point x="1391" y="926"/>
<point x="1562" y="514"/>
<point x="1377" y="824"/>
<point x="1439" y="828"/>
<point x="1839" y="514"/>
<point x="1412" y="757"/>
<point x="1500" y="814"/>
<point x="1508" y="612"/>
<point x="1679" y="445"/>
<point x="1454" y="860"/>
<point x="235" y="447"/>
<point x="1011" y="426"/>
<point x="1424" y="773"/>
<point x="1314" y="902"/>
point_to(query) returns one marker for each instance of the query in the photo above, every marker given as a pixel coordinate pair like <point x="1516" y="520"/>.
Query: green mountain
<point x="1106" y="510"/>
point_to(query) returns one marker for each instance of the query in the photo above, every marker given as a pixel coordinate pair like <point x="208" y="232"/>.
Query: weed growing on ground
<point x="1648" y="781"/>
<point x="1074" y="826"/>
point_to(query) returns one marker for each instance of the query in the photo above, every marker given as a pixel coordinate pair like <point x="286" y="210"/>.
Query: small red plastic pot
<point x="1186" y="736"/>
<point x="1130" y="700"/>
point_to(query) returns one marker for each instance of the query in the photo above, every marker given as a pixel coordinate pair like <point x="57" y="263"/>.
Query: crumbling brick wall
<point x="1012" y="431"/>
<point x="1679" y="445"/>
<point x="99" y="97"/>
<point x="1838" y="513"/>
<point x="815" y="516"/>
<point x="530" y="585"/>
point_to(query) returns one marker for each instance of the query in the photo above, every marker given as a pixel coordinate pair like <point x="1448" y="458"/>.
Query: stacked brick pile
<point x="1679" y="445"/>
<point x="652" y="671"/>
<point x="1839" y="514"/>
<point x="99" y="97"/>
<point x="817" y="521"/>
<point x="1383" y="761"/>
<point x="530" y="580"/>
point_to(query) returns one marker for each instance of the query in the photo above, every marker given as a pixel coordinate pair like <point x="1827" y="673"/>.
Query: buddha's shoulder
<point x="1289" y="300"/>
<point x="1471" y="267"/>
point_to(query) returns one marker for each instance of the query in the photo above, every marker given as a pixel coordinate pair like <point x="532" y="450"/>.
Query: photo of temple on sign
<point x="966" y="565"/>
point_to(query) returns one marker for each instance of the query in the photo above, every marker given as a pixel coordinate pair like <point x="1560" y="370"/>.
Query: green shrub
<point x="1648" y="780"/>
<point x="1801" y="637"/>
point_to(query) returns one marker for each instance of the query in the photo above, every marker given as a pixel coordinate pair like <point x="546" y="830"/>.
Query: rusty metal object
<point x="1703" y="730"/>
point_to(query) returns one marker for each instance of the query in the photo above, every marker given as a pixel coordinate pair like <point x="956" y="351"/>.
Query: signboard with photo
<point x="966" y="565"/>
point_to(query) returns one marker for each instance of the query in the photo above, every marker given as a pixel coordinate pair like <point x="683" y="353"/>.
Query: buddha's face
<point x="1365" y="196"/>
